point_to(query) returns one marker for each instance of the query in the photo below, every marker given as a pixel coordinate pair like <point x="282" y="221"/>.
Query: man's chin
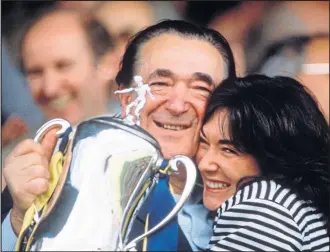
<point x="169" y="151"/>
<point x="174" y="143"/>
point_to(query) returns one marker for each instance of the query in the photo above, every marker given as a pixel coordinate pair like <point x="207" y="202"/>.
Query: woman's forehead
<point x="218" y="124"/>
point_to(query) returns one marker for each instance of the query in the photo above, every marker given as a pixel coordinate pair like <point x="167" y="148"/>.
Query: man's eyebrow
<point x="32" y="69"/>
<point x="161" y="73"/>
<point x="196" y="76"/>
<point x="203" y="77"/>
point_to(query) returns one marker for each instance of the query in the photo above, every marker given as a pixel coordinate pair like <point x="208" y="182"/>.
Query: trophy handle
<point x="43" y="130"/>
<point x="50" y="125"/>
<point x="189" y="186"/>
<point x="27" y="233"/>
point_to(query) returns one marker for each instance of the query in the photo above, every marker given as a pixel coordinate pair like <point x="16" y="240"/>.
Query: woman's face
<point x="220" y="164"/>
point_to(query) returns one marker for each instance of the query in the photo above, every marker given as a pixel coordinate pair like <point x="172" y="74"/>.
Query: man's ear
<point x="125" y="99"/>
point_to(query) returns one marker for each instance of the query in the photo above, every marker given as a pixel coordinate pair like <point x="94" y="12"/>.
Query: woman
<point x="263" y="158"/>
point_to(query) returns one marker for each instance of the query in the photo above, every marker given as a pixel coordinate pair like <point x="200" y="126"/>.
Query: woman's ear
<point x="125" y="99"/>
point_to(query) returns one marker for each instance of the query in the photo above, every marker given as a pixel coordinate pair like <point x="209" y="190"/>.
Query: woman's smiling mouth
<point x="216" y="185"/>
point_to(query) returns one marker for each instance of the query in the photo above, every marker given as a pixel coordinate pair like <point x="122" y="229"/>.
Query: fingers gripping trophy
<point x="141" y="90"/>
<point x="101" y="174"/>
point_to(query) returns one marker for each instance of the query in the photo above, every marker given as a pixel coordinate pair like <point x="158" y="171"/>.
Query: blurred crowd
<point x="64" y="63"/>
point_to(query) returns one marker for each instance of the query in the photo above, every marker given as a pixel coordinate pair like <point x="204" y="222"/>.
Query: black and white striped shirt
<point x="268" y="217"/>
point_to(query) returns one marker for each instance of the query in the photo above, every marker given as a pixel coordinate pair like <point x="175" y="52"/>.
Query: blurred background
<point x="270" y="37"/>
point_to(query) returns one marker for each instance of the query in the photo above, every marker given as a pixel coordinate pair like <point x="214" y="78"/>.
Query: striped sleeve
<point x="256" y="225"/>
<point x="266" y="216"/>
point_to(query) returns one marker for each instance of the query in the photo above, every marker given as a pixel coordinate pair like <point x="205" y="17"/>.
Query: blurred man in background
<point x="283" y="19"/>
<point x="236" y="24"/>
<point x="62" y="58"/>
<point x="123" y="19"/>
<point x="82" y="6"/>
<point x="251" y="27"/>
<point x="303" y="57"/>
<point x="314" y="73"/>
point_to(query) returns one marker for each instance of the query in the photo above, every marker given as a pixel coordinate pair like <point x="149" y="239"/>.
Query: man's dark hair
<point x="98" y="37"/>
<point x="278" y="122"/>
<point x="181" y="28"/>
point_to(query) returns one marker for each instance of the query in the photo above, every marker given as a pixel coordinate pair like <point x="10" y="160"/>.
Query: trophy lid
<point x="95" y="125"/>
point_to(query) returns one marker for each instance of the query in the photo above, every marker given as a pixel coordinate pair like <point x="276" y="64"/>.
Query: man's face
<point x="181" y="73"/>
<point x="61" y="73"/>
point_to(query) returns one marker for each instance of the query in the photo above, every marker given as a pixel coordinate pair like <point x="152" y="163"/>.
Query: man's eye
<point x="203" y="89"/>
<point x="63" y="65"/>
<point x="34" y="73"/>
<point x="158" y="84"/>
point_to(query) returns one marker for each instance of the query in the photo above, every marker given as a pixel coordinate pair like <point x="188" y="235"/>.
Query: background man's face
<point x="60" y="69"/>
<point x="181" y="73"/>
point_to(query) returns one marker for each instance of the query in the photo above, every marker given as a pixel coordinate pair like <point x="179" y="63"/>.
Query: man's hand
<point x="27" y="175"/>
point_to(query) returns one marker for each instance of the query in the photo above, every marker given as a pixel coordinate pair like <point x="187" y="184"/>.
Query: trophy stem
<point x="190" y="183"/>
<point x="134" y="199"/>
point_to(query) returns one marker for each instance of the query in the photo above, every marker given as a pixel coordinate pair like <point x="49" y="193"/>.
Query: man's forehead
<point x="169" y="74"/>
<point x="58" y="21"/>
<point x="54" y="29"/>
<point x="179" y="55"/>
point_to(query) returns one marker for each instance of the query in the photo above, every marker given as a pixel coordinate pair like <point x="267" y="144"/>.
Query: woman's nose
<point x="208" y="162"/>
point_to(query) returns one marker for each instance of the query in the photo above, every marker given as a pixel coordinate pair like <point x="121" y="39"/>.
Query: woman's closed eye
<point x="203" y="143"/>
<point x="229" y="150"/>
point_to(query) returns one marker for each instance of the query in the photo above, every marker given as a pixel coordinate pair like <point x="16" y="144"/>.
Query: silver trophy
<point x="109" y="168"/>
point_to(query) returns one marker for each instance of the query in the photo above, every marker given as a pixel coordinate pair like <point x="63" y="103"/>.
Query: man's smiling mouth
<point x="171" y="126"/>
<point x="61" y="102"/>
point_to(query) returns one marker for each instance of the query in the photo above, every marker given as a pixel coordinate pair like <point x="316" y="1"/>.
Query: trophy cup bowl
<point x="110" y="167"/>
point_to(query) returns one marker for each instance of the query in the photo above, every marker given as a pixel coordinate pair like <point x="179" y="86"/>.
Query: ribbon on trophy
<point x="160" y="204"/>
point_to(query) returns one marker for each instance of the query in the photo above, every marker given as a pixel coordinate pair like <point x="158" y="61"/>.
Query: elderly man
<point x="182" y="64"/>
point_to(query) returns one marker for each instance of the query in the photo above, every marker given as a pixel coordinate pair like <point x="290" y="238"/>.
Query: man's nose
<point x="177" y="100"/>
<point x="51" y="84"/>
